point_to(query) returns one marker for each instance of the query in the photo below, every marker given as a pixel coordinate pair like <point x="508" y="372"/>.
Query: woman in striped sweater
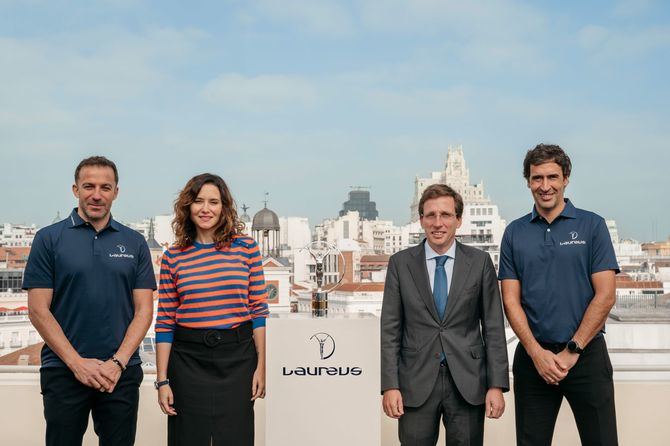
<point x="210" y="326"/>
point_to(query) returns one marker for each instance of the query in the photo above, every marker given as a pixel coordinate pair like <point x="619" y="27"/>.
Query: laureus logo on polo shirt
<point x="121" y="253"/>
<point x="326" y="348"/>
<point x="573" y="241"/>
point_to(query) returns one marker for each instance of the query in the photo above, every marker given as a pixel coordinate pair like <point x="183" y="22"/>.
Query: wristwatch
<point x="159" y="384"/>
<point x="573" y="347"/>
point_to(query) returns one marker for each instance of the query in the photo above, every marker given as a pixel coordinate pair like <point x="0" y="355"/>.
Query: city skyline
<point x="304" y="99"/>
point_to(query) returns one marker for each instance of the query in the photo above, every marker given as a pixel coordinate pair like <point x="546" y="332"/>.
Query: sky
<point x="304" y="99"/>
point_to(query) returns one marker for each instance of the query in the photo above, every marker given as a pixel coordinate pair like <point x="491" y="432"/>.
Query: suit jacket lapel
<point x="458" y="277"/>
<point x="417" y="268"/>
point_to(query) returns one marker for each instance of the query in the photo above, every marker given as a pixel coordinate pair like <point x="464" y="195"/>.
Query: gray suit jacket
<point x="472" y="334"/>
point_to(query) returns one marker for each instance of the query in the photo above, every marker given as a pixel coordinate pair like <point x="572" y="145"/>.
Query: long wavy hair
<point x="184" y="229"/>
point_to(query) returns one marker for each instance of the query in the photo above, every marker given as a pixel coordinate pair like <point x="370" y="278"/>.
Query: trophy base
<point x="319" y="304"/>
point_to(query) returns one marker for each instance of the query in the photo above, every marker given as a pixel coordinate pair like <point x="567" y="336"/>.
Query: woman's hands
<point x="258" y="382"/>
<point x="166" y="400"/>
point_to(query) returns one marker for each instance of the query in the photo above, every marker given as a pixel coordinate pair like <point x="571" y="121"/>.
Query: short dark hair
<point x="546" y="153"/>
<point x="441" y="190"/>
<point x="96" y="161"/>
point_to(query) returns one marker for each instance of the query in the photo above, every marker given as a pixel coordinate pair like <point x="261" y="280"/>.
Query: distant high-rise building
<point x="482" y="226"/>
<point x="359" y="200"/>
<point x="457" y="176"/>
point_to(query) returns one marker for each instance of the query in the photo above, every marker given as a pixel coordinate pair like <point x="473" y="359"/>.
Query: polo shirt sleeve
<point x="39" y="272"/>
<point x="602" y="252"/>
<point x="507" y="268"/>
<point x="145" y="279"/>
<point x="168" y="301"/>
<point x="258" y="294"/>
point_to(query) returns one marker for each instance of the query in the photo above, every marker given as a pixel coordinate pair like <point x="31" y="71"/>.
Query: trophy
<point x="319" y="251"/>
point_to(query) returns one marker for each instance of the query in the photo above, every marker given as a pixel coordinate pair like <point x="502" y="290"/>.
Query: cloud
<point x="607" y="44"/>
<point x="62" y="86"/>
<point x="320" y="17"/>
<point x="592" y="36"/>
<point x="501" y="18"/>
<point x="264" y="93"/>
<point x="422" y="103"/>
<point x="632" y="8"/>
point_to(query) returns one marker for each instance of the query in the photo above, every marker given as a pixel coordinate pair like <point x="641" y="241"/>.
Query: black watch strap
<point x="573" y="347"/>
<point x="159" y="384"/>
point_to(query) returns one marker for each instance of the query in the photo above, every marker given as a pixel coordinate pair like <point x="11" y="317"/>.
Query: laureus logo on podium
<point x="326" y="344"/>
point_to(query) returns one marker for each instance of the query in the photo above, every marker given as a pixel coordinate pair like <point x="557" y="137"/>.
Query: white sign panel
<point x="323" y="381"/>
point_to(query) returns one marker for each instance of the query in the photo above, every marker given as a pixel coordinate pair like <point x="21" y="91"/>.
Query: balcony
<point x="642" y="393"/>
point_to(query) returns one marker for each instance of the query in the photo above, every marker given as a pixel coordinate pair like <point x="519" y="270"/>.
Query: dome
<point x="264" y="220"/>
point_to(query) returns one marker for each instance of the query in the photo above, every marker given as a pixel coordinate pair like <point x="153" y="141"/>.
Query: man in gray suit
<point x="443" y="350"/>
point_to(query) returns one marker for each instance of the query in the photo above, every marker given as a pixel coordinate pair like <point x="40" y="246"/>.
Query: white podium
<point x="322" y="380"/>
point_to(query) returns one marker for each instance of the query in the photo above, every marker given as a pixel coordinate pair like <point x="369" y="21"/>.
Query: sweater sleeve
<point x="168" y="301"/>
<point x="258" y="296"/>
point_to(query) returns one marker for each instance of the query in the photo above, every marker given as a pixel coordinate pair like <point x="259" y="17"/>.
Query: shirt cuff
<point x="164" y="336"/>
<point x="258" y="323"/>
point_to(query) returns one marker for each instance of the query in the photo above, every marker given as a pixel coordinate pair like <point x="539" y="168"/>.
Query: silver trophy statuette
<point x="319" y="251"/>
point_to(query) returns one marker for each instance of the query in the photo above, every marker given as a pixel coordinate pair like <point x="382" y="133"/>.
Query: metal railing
<point x="639" y="301"/>
<point x="14" y="318"/>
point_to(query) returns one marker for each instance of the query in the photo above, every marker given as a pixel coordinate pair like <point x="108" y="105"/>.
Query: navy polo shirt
<point x="93" y="275"/>
<point x="554" y="263"/>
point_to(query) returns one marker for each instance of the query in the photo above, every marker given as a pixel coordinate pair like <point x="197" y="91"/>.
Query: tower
<point x="265" y="230"/>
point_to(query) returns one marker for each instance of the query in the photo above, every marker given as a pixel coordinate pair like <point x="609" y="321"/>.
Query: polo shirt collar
<point x="431" y="254"/>
<point x="76" y="221"/>
<point x="569" y="211"/>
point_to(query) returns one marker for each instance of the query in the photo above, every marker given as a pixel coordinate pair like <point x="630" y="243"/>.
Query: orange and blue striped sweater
<point x="208" y="288"/>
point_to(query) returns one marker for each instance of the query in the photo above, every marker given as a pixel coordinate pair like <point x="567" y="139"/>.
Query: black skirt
<point x="210" y="374"/>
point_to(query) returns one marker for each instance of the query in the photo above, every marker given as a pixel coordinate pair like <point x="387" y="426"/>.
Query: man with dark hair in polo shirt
<point x="90" y="285"/>
<point x="557" y="267"/>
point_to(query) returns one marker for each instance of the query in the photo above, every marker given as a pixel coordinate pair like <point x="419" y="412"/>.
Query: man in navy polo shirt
<point x="557" y="268"/>
<point x="90" y="286"/>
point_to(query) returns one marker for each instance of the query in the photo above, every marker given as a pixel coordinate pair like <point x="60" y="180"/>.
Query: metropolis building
<point x="482" y="225"/>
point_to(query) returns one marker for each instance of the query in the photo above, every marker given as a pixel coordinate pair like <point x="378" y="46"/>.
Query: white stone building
<point x="16" y="331"/>
<point x="482" y="226"/>
<point x="371" y="235"/>
<point x="456" y="175"/>
<point x="12" y="235"/>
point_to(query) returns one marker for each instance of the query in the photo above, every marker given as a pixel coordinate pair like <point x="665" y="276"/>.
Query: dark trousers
<point x="589" y="389"/>
<point x="463" y="422"/>
<point x="210" y="374"/>
<point x="67" y="404"/>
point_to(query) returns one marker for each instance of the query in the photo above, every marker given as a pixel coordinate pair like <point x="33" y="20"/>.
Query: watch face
<point x="273" y="292"/>
<point x="573" y="347"/>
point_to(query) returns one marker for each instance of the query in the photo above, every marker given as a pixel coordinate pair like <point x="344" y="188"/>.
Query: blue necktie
<point x="440" y="286"/>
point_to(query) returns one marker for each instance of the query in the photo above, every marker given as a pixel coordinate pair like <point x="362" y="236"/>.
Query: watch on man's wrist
<point x="159" y="384"/>
<point x="573" y="347"/>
